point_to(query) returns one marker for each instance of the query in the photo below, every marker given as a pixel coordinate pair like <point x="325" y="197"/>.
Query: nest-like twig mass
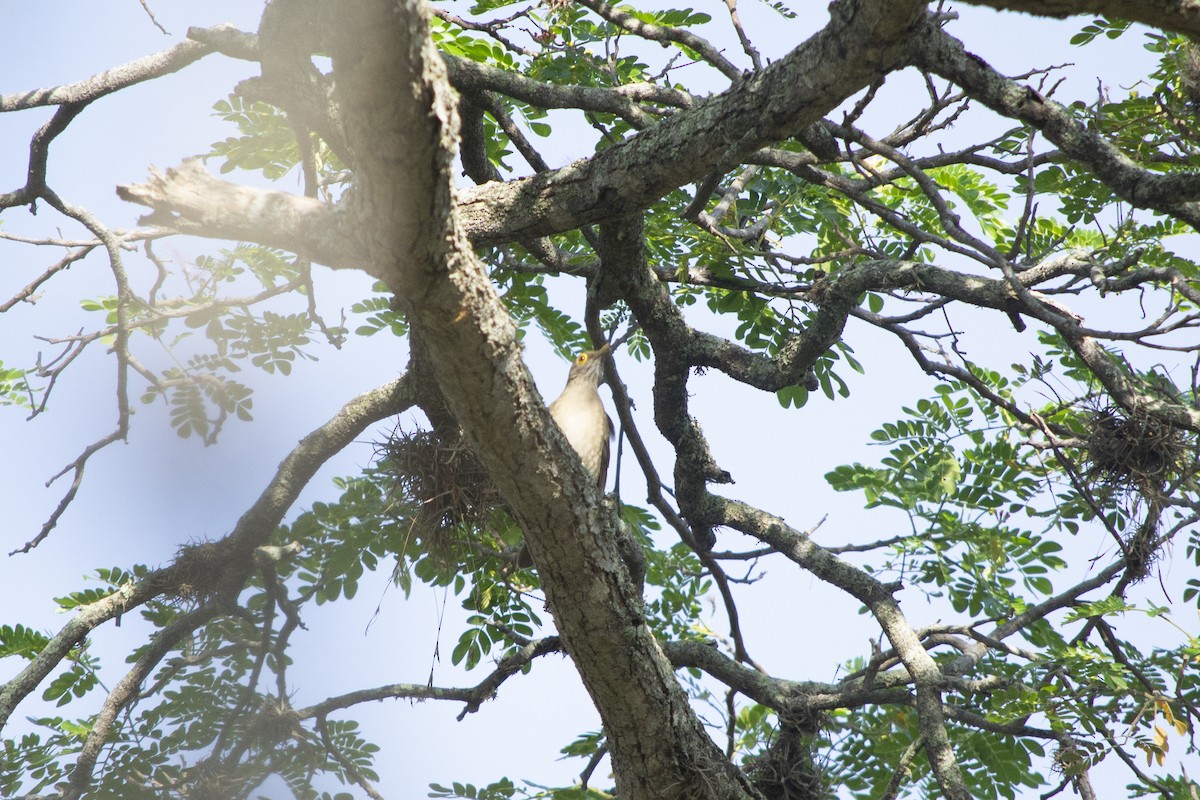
<point x="443" y="479"/>
<point x="1133" y="450"/>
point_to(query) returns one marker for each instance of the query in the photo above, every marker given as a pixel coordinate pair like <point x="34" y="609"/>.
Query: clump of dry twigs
<point x="786" y="770"/>
<point x="202" y="571"/>
<point x="1139" y="455"/>
<point x="1133" y="450"/>
<point x="444" y="481"/>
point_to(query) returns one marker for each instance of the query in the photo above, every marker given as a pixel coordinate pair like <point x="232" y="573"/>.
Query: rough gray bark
<point x="1172" y="15"/>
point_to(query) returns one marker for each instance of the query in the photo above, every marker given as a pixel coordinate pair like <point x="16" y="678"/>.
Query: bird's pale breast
<point x="581" y="417"/>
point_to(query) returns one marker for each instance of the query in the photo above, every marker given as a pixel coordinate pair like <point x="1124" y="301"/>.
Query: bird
<point x="580" y="414"/>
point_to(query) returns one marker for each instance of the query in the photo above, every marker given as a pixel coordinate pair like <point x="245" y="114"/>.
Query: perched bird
<point x="581" y="416"/>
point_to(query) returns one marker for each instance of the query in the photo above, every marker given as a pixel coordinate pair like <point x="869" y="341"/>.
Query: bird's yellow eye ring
<point x="582" y="359"/>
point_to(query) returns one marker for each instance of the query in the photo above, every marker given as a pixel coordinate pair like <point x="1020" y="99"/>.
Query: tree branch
<point x="1175" y="194"/>
<point x="188" y="199"/>
<point x="1182" y="16"/>
<point x="252" y="530"/>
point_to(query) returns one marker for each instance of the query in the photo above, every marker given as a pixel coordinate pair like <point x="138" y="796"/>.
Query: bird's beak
<point x="604" y="348"/>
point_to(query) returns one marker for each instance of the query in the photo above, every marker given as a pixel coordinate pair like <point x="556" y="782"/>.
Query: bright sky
<point x="140" y="502"/>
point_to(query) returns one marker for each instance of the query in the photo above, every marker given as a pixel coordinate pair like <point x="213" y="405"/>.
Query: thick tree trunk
<point x="401" y="128"/>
